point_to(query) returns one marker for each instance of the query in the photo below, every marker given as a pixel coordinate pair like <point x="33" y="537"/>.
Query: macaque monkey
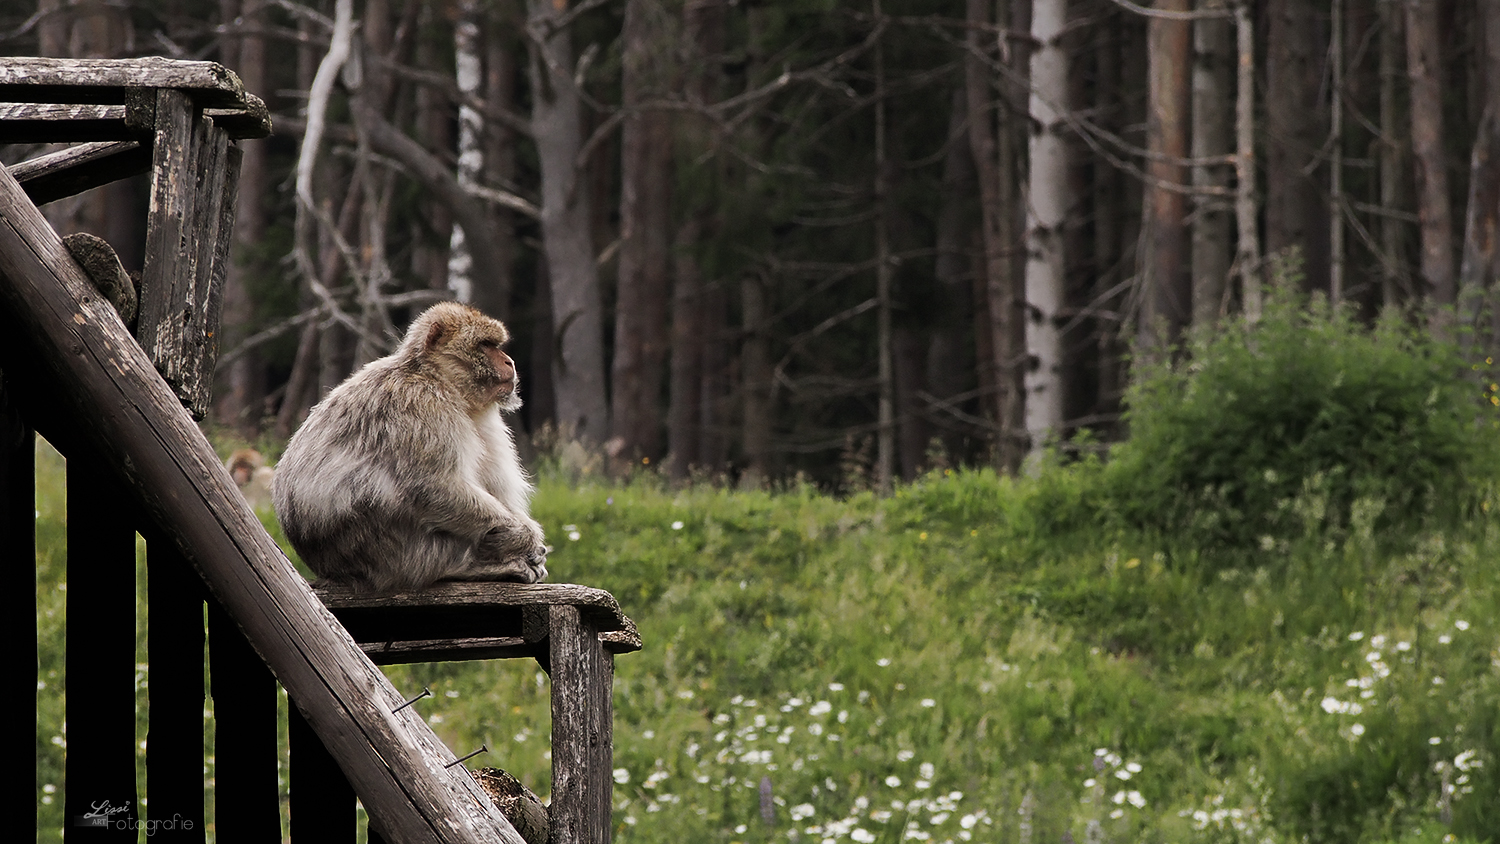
<point x="251" y="475"/>
<point x="406" y="474"/>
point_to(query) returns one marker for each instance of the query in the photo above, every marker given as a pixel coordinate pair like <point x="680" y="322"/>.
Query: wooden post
<point x="322" y="801"/>
<point x="582" y="730"/>
<point x="99" y="769"/>
<point x="246" y="800"/>
<point x="193" y="187"/>
<point x="174" y="648"/>
<point x="18" y="531"/>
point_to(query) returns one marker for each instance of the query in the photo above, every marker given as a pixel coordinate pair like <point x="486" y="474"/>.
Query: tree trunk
<point x="1394" y="286"/>
<point x="686" y="386"/>
<point x="948" y="362"/>
<point x="715" y="402"/>
<point x="1479" y="272"/>
<point x="433" y="128"/>
<point x="242" y="396"/>
<point x="1336" y="250"/>
<point x="1166" y="291"/>
<point x="1296" y="209"/>
<point x="1433" y="209"/>
<point x="577" y="306"/>
<point x="301" y="389"/>
<point x="1213" y="62"/>
<point x="885" y="414"/>
<point x="1046" y="212"/>
<point x="53" y="24"/>
<point x="687" y="414"/>
<point x="1248" y="247"/>
<point x="1110" y="212"/>
<point x="541" y="399"/>
<point x="1009" y="293"/>
<point x="1001" y="340"/>
<point x="994" y="270"/>
<point x="375" y="275"/>
<point x="645" y="232"/>
<point x="908" y="354"/>
<point x="469" y="75"/>
<point x="493" y="295"/>
<point x="755" y="378"/>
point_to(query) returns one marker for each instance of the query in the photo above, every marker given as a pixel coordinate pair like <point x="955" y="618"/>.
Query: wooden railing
<point x="121" y="408"/>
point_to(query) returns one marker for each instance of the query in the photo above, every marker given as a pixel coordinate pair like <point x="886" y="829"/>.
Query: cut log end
<point x="517" y="803"/>
<point x="102" y="266"/>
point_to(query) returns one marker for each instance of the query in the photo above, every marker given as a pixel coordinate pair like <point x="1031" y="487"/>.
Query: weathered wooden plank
<point x="253" y="120"/>
<point x="582" y="730"/>
<point x="174" y="648"/>
<point x="596" y="604"/>
<point x="194" y="184"/>
<point x="57" y="123"/>
<point x="72" y="349"/>
<point x="28" y="79"/>
<point x="68" y="123"/>
<point x="376" y="625"/>
<point x="452" y="650"/>
<point x="245" y="764"/>
<point x="167" y="275"/>
<point x="322" y="803"/>
<point x="207" y="173"/>
<point x="470" y="611"/>
<point x="217" y="205"/>
<point x="99" y="766"/>
<point x="76" y="169"/>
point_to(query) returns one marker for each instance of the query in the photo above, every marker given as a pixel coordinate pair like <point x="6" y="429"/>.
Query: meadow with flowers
<point x="934" y="667"/>
<point x="1303" y="647"/>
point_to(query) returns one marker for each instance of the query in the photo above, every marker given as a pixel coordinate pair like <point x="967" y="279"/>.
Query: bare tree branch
<point x="1203" y="14"/>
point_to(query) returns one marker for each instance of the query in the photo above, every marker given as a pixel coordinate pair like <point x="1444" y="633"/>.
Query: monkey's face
<point x="462" y="348"/>
<point x="506" y="381"/>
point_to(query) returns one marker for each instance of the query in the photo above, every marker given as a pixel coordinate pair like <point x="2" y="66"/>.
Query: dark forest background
<point x="755" y="240"/>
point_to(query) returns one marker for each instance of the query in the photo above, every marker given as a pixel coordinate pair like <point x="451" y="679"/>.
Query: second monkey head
<point x="463" y="348"/>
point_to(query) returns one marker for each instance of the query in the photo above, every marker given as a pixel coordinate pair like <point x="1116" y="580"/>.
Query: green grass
<point x="977" y="658"/>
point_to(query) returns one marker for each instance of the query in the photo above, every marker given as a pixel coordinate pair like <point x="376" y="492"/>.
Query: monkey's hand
<point x="512" y="552"/>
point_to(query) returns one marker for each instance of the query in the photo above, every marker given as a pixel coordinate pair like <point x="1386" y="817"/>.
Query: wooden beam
<point x="406" y="651"/>
<point x="252" y="120"/>
<point x="104" y="81"/>
<point x="71" y="348"/>
<point x="456" y="621"/>
<point x="76" y="169"/>
<point x="60" y="123"/>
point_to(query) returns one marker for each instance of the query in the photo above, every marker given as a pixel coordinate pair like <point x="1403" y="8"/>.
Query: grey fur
<point x="406" y="473"/>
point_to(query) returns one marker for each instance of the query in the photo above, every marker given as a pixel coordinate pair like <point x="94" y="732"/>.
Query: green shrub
<point x="1304" y="422"/>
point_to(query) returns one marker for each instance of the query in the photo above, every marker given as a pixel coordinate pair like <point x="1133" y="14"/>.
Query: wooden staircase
<point x="121" y="407"/>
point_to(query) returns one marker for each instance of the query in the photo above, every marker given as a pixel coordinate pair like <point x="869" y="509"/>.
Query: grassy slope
<point x="1006" y="655"/>
<point x="952" y="662"/>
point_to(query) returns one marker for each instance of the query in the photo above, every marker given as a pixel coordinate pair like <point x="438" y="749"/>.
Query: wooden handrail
<point x="80" y="373"/>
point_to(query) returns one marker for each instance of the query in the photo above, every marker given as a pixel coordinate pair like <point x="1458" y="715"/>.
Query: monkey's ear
<point x="435" y="334"/>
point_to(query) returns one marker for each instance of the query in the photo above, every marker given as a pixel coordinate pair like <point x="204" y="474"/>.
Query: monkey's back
<point x="349" y="489"/>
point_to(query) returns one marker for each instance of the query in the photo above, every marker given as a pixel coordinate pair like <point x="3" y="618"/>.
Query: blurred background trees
<point x="754" y="240"/>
